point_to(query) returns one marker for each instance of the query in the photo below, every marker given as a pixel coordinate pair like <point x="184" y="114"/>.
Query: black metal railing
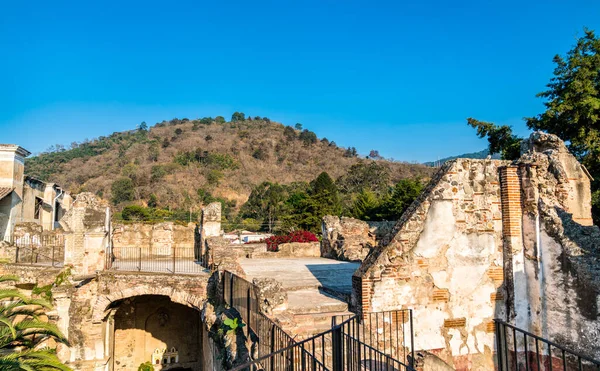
<point x="241" y="295"/>
<point x="343" y="347"/>
<point x="336" y="349"/>
<point x="174" y="259"/>
<point x="46" y="250"/>
<point x="517" y="349"/>
<point x="389" y="332"/>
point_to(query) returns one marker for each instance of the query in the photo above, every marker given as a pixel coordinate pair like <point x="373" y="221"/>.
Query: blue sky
<point x="397" y="76"/>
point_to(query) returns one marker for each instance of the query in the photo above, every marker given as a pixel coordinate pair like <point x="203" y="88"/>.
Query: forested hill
<point x="176" y="164"/>
<point x="476" y="155"/>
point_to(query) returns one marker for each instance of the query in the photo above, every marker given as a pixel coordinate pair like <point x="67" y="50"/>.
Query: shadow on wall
<point x="148" y="325"/>
<point x="581" y="266"/>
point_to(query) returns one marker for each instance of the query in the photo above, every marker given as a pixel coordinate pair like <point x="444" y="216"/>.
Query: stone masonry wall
<point x="555" y="280"/>
<point x="444" y="261"/>
<point x="155" y="239"/>
<point x="346" y="238"/>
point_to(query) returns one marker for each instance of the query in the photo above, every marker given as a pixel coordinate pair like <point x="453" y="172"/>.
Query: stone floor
<point x="301" y="273"/>
<point x="309" y="283"/>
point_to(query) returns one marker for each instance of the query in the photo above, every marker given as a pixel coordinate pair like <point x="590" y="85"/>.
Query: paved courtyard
<point x="300" y="273"/>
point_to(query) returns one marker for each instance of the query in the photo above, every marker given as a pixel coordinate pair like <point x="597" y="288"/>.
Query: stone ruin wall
<point x="553" y="263"/>
<point x="493" y="239"/>
<point x="86" y="303"/>
<point x="351" y="239"/>
<point x="444" y="261"/>
<point x="156" y="239"/>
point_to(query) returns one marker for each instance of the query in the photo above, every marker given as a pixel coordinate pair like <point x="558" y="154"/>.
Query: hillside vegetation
<point x="475" y="155"/>
<point x="182" y="164"/>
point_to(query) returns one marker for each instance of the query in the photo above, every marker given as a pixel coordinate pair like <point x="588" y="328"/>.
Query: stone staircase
<point x="311" y="312"/>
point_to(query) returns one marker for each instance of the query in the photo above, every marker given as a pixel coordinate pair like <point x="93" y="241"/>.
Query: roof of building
<point x="5" y="191"/>
<point x="14" y="148"/>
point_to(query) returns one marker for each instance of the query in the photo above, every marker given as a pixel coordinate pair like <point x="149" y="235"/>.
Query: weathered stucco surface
<point x="555" y="281"/>
<point x="493" y="239"/>
<point x="444" y="261"/>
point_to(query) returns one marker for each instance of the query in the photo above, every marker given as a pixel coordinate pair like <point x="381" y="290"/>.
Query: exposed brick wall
<point x="510" y="191"/>
<point x="446" y="248"/>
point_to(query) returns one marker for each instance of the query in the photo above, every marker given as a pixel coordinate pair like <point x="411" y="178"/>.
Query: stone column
<point x="210" y="224"/>
<point x="514" y="265"/>
<point x="87" y="226"/>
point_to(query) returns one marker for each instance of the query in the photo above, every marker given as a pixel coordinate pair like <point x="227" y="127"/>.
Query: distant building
<point x="241" y="237"/>
<point x="26" y="199"/>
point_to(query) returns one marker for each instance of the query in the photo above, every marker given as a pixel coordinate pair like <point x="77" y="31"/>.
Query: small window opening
<point x="39" y="203"/>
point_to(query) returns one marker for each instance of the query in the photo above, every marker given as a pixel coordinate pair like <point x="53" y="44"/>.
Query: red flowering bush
<point x="273" y="242"/>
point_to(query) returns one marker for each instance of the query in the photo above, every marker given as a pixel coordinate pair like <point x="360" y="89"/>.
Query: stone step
<point x="312" y="301"/>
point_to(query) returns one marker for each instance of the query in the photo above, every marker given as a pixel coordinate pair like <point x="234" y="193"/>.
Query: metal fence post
<point x="273" y="346"/>
<point x="337" y="349"/>
<point x="248" y="307"/>
<point x="140" y="259"/>
<point x="499" y="348"/>
<point x="173" y="253"/>
<point x="412" y="338"/>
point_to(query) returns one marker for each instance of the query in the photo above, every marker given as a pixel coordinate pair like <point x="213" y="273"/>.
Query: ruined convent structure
<point x="24" y="199"/>
<point x="493" y="239"/>
<point x="486" y="240"/>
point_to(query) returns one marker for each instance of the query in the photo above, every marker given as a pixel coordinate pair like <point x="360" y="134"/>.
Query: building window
<point x="39" y="203"/>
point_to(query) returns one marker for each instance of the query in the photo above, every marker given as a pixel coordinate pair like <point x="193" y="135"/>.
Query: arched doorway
<point x="152" y="328"/>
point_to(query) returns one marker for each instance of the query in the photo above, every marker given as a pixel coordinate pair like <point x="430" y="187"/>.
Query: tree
<point x="500" y="138"/>
<point x="573" y="106"/>
<point x="238" y="116"/>
<point x="122" y="190"/>
<point x="152" y="200"/>
<point x="23" y="331"/>
<point x="374" y="154"/>
<point x="153" y="151"/>
<point x="135" y="213"/>
<point x="142" y="126"/>
<point x="208" y="138"/>
<point x="365" y="175"/>
<point x="289" y="133"/>
<point x="266" y="203"/>
<point x="350" y="152"/>
<point x="572" y="102"/>
<point x="366" y="205"/>
<point x="165" y="143"/>
<point x="323" y="199"/>
<point x="220" y="120"/>
<point x="308" y="137"/>
<point x="403" y="194"/>
<point x="298" y="126"/>
<point x="178" y="131"/>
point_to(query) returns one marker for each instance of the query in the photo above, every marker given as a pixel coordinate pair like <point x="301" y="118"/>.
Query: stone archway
<point x="153" y="328"/>
<point x="100" y="309"/>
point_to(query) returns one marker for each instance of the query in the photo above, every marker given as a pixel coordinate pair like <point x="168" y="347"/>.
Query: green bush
<point x="135" y="213"/>
<point x="214" y="177"/>
<point x="146" y="366"/>
<point x="122" y="190"/>
<point x="157" y="172"/>
<point x="222" y="161"/>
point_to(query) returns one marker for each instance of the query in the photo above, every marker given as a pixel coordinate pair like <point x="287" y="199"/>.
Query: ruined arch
<point x="101" y="307"/>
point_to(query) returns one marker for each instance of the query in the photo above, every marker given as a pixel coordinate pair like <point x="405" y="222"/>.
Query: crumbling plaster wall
<point x="444" y="261"/>
<point x="556" y="289"/>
